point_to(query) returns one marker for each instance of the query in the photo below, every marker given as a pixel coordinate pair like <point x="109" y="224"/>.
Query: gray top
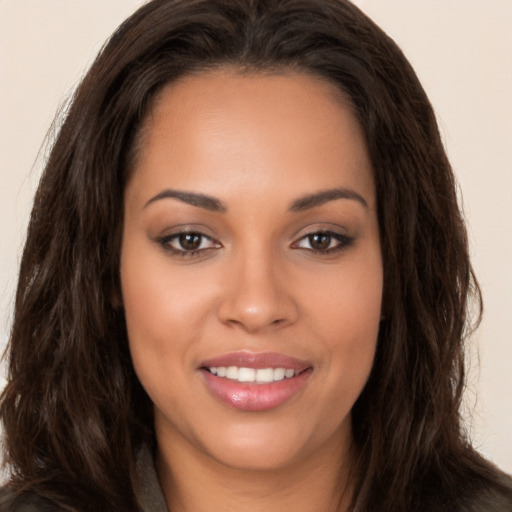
<point x="151" y="497"/>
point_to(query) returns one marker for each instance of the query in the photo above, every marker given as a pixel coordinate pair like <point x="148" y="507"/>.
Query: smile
<point x="259" y="376"/>
<point x="255" y="382"/>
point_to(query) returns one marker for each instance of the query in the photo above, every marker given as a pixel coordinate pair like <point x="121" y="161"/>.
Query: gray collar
<point x="151" y="496"/>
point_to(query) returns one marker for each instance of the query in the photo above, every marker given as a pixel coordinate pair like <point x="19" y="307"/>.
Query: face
<point x="251" y="267"/>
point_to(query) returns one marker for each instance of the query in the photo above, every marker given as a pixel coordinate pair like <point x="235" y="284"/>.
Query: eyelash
<point x="343" y="242"/>
<point x="166" y="241"/>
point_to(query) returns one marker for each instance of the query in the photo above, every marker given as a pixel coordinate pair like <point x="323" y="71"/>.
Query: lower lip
<point x="248" y="396"/>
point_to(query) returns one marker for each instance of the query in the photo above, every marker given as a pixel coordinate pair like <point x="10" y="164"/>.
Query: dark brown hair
<point x="74" y="413"/>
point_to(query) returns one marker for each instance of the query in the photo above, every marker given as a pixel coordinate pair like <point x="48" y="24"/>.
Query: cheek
<point x="163" y="313"/>
<point x="160" y="299"/>
<point x="345" y="311"/>
<point x="347" y="302"/>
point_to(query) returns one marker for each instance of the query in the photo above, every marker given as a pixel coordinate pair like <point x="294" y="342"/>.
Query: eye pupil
<point x="190" y="241"/>
<point x="320" y="241"/>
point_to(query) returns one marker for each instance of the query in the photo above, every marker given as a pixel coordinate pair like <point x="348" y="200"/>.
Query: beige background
<point x="462" y="52"/>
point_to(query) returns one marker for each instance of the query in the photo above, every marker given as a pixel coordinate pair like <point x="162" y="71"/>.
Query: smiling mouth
<point x="253" y="375"/>
<point x="255" y="382"/>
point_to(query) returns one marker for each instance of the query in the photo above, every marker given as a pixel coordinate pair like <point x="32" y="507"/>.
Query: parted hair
<point x="74" y="413"/>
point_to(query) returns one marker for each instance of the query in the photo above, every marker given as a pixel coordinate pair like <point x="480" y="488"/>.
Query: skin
<point x="257" y="143"/>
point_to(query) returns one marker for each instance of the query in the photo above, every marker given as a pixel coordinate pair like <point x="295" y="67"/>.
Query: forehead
<point x="290" y="130"/>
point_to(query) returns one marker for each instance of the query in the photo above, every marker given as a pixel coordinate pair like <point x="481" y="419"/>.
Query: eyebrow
<point x="303" y="203"/>
<point x="324" y="196"/>
<point x="198" y="200"/>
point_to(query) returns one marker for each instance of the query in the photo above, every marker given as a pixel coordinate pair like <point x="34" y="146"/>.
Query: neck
<point x="193" y="482"/>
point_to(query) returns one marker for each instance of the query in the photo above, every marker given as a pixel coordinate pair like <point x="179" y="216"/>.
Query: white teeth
<point x="232" y="372"/>
<point x="279" y="373"/>
<point x="246" y="375"/>
<point x="260" y="375"/>
<point x="265" y="375"/>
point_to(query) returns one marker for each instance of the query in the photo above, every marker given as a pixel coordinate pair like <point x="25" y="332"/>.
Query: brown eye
<point x="190" y="241"/>
<point x="320" y="241"/>
<point x="323" y="242"/>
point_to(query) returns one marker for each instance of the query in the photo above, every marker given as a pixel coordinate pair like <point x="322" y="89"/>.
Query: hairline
<point x="231" y="69"/>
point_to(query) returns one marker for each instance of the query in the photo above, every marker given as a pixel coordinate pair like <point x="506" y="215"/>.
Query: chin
<point x="271" y="446"/>
<point x="260" y="453"/>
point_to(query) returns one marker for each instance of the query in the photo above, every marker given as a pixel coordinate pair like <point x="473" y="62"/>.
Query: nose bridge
<point x="256" y="296"/>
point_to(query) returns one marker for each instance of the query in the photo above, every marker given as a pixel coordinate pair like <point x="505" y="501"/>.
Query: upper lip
<point x="244" y="359"/>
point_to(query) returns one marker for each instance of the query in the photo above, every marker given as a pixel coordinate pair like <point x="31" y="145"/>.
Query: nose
<point x="256" y="295"/>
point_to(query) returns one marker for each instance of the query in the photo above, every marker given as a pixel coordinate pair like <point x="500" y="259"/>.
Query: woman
<point x="245" y="261"/>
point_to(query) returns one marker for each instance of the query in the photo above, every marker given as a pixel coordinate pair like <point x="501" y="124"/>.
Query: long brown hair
<point x="74" y="413"/>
